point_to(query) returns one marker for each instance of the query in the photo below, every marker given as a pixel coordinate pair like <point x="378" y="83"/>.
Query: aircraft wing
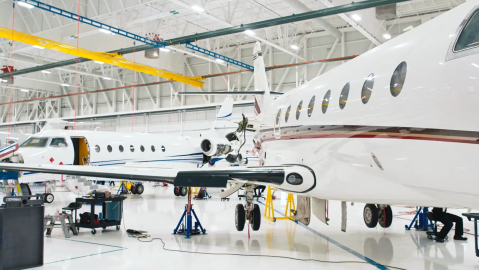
<point x="296" y="178"/>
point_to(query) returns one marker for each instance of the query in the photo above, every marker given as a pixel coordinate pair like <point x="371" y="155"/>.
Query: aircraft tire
<point x="240" y="217"/>
<point x="176" y="191"/>
<point x="48" y="197"/>
<point x="183" y="191"/>
<point x="256" y="222"/>
<point x="388" y="212"/>
<point x="139" y="189"/>
<point x="370" y="215"/>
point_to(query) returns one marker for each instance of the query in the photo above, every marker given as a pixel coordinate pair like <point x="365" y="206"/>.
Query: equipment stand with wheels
<point x="104" y="222"/>
<point x="420" y="221"/>
<point x="185" y="225"/>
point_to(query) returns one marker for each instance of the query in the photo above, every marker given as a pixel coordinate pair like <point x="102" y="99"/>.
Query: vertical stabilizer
<point x="224" y="113"/>
<point x="260" y="81"/>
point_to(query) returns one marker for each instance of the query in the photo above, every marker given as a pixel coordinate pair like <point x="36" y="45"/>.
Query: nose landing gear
<point x="249" y="211"/>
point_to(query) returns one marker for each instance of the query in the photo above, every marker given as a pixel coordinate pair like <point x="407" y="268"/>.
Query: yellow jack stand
<point x="196" y="190"/>
<point x="269" y="209"/>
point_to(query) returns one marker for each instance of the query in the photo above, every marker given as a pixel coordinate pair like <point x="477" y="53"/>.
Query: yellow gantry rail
<point x="109" y="58"/>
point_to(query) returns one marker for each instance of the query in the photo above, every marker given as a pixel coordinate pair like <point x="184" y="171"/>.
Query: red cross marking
<point x="51" y="159"/>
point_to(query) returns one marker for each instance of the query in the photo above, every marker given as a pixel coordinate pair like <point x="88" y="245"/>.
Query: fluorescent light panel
<point x="24" y="90"/>
<point x="356" y="17"/>
<point x="249" y="33"/>
<point x="164" y="49"/>
<point x="99" y="62"/>
<point x="38" y="47"/>
<point x="294" y="46"/>
<point x="106" y="78"/>
<point x="197" y="8"/>
<point x="64" y="84"/>
<point x="106" y="31"/>
<point x="23" y="4"/>
<point x="219" y="61"/>
<point x="387" y="36"/>
<point x="46" y="71"/>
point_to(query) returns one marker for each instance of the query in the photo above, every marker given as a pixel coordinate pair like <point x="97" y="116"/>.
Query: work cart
<point x="112" y="210"/>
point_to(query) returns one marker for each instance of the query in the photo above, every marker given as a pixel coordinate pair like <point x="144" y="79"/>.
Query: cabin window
<point x="277" y="116"/>
<point x="121" y="148"/>
<point x="109" y="148"/>
<point x="311" y="106"/>
<point x="58" y="142"/>
<point x="469" y="37"/>
<point x="132" y="148"/>
<point x="367" y="89"/>
<point x="142" y="149"/>
<point x="398" y="79"/>
<point x="343" y="98"/>
<point x="286" y="115"/>
<point x="11" y="142"/>
<point x="153" y="148"/>
<point x="163" y="148"/>
<point x="325" y="105"/>
<point x="97" y="148"/>
<point x="35" y="142"/>
<point x="298" y="110"/>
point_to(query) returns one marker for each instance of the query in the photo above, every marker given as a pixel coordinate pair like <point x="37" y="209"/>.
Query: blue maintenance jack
<point x="185" y="225"/>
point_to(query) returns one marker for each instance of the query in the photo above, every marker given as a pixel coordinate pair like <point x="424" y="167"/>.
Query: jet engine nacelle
<point x="215" y="147"/>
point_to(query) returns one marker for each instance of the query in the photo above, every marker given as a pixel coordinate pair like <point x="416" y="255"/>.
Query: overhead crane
<point x="115" y="59"/>
<point x="221" y="32"/>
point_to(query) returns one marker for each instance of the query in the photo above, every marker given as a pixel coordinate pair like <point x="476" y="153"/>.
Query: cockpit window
<point x="469" y="37"/>
<point x="35" y="142"/>
<point x="59" y="142"/>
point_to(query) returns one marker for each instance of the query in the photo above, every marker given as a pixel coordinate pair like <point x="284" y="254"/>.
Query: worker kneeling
<point x="447" y="219"/>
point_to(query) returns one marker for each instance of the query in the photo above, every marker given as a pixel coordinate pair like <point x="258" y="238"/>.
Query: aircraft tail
<point x="223" y="116"/>
<point x="261" y="102"/>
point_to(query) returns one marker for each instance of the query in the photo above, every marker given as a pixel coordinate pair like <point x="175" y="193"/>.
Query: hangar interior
<point x="40" y="85"/>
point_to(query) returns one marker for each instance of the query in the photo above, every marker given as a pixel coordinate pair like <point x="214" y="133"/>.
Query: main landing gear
<point x="137" y="189"/>
<point x="380" y="213"/>
<point x="180" y="191"/>
<point x="249" y="211"/>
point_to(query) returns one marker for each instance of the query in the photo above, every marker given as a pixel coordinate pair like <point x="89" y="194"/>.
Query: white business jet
<point x="396" y="125"/>
<point x="58" y="144"/>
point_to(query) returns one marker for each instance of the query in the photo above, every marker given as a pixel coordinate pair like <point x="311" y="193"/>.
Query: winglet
<point x="261" y="102"/>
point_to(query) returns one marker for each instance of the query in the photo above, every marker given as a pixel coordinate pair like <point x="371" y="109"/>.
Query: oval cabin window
<point x="311" y="106"/>
<point x="298" y="110"/>
<point x="325" y="104"/>
<point x="286" y="115"/>
<point x="121" y="148"/>
<point x="97" y="148"/>
<point x="153" y="148"/>
<point x="367" y="89"/>
<point x="343" y="98"/>
<point x="142" y="149"/>
<point x="163" y="148"/>
<point x="109" y="148"/>
<point x="132" y="148"/>
<point x="398" y="79"/>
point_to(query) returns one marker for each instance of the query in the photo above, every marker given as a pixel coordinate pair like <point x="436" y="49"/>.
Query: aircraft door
<point x="81" y="150"/>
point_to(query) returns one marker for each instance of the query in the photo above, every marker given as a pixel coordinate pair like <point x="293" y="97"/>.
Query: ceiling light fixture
<point x="24" y="90"/>
<point x="197" y="8"/>
<point x="356" y="17"/>
<point x="219" y="61"/>
<point x="164" y="49"/>
<point x="294" y="47"/>
<point x="64" y="84"/>
<point x="38" y="47"/>
<point x="106" y="78"/>
<point x="99" y="62"/>
<point x="387" y="36"/>
<point x="23" y="4"/>
<point x="249" y="33"/>
<point x="106" y="31"/>
<point x="46" y="71"/>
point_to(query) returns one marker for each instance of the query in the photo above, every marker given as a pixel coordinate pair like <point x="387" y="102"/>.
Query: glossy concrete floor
<point x="158" y="211"/>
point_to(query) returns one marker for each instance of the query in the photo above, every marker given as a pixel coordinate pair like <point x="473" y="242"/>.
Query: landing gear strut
<point x="374" y="214"/>
<point x="249" y="211"/>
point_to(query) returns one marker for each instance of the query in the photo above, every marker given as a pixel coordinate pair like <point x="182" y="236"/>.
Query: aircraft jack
<point x="269" y="209"/>
<point x="420" y="221"/>
<point x="185" y="225"/>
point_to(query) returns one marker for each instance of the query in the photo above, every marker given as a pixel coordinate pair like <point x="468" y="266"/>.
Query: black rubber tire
<point x="139" y="189"/>
<point x="133" y="189"/>
<point x="256" y="218"/>
<point x="370" y="215"/>
<point x="183" y="191"/>
<point x="389" y="216"/>
<point x="176" y="191"/>
<point x="48" y="197"/>
<point x="93" y="231"/>
<point x="240" y="217"/>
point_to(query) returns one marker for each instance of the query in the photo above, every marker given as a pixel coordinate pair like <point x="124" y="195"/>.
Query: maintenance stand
<point x="185" y="225"/>
<point x="420" y="221"/>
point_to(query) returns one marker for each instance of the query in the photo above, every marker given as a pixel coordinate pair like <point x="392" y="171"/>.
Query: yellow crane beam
<point x="109" y="58"/>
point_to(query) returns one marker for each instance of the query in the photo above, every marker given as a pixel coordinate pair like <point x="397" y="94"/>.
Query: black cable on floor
<point x="142" y="236"/>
